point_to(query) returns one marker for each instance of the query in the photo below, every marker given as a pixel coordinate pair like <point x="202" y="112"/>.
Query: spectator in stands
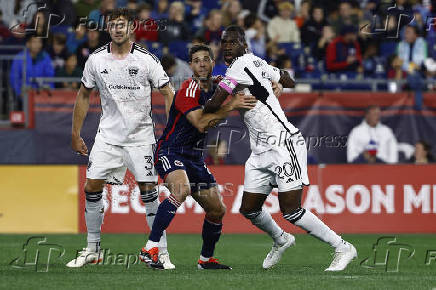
<point x="84" y="7"/>
<point x="422" y="154"/>
<point x="88" y="47"/>
<point x="268" y="9"/>
<point x="58" y="51"/>
<point x="195" y="14"/>
<point x="255" y="35"/>
<point x="177" y="69"/>
<point x="231" y="10"/>
<point x="176" y="27"/>
<point x="213" y="26"/>
<point x="61" y="10"/>
<point x="346" y="17"/>
<point x="303" y="14"/>
<point x="147" y="27"/>
<point x="132" y="5"/>
<point x="97" y="15"/>
<point x="38" y="64"/>
<point x="412" y="50"/>
<point x="343" y="53"/>
<point x="371" y="141"/>
<point x="161" y="10"/>
<point x="327" y="36"/>
<point x="5" y="32"/>
<point x="18" y="12"/>
<point x="76" y="38"/>
<point x="395" y="73"/>
<point x="70" y="70"/>
<point x="312" y="30"/>
<point x="282" y="28"/>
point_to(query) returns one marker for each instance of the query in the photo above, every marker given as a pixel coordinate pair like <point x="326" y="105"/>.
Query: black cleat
<point x="151" y="258"/>
<point x="212" y="264"/>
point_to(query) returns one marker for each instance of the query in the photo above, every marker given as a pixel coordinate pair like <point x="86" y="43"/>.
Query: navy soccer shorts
<point x="198" y="174"/>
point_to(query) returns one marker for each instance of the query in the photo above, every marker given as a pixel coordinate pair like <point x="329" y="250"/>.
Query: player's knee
<point x="294" y="214"/>
<point x="217" y="213"/>
<point x="249" y="214"/>
<point x="290" y="208"/>
<point x="93" y="187"/>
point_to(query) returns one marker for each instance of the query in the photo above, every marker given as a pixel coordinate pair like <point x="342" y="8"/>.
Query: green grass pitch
<point x="302" y="266"/>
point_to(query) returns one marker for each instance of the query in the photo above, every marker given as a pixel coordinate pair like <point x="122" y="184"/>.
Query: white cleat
<point x="277" y="251"/>
<point x="86" y="257"/>
<point x="164" y="258"/>
<point x="342" y="258"/>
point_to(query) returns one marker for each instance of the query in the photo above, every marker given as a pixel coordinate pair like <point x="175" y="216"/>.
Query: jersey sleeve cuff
<point x="164" y="85"/>
<point x="89" y="88"/>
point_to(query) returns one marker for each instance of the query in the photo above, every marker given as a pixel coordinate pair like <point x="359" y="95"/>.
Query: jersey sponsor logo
<point x="178" y="163"/>
<point x="123" y="87"/>
<point x="257" y="63"/>
<point x="104" y="72"/>
<point x="133" y="71"/>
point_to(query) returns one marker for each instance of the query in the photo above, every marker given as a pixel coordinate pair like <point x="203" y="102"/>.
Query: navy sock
<point x="211" y="234"/>
<point x="165" y="214"/>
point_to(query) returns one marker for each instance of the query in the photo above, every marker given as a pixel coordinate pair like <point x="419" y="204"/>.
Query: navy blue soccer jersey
<point x="180" y="136"/>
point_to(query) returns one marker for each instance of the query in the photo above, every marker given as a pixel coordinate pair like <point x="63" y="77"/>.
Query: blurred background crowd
<point x="312" y="39"/>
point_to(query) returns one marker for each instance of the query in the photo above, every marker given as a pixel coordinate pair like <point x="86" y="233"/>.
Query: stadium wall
<point x="349" y="198"/>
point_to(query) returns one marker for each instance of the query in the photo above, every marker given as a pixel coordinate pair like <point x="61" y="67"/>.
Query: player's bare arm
<point x="218" y="98"/>
<point x="80" y="110"/>
<point x="203" y="121"/>
<point x="286" y="80"/>
<point x="168" y="92"/>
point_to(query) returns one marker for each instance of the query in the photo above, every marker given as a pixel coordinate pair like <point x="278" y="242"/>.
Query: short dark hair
<point x="167" y="61"/>
<point x="121" y="12"/>
<point x="237" y="29"/>
<point x="200" y="47"/>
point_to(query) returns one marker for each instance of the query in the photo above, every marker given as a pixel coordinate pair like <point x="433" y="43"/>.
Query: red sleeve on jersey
<point x="187" y="97"/>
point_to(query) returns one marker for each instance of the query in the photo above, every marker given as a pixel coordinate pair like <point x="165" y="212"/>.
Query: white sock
<point x="204" y="259"/>
<point x="150" y="214"/>
<point x="314" y="226"/>
<point x="264" y="221"/>
<point x="150" y="245"/>
<point x="94" y="213"/>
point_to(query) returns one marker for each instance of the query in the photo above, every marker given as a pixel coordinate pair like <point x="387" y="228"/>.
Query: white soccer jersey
<point x="125" y="87"/>
<point x="266" y="122"/>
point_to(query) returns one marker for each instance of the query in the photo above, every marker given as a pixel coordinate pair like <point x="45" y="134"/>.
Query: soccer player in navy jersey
<point x="179" y="159"/>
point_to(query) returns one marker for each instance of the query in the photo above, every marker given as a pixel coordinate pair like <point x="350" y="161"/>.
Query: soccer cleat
<point x="164" y="258"/>
<point x="342" y="258"/>
<point x="151" y="258"/>
<point x="277" y="251"/>
<point x="86" y="256"/>
<point x="212" y="264"/>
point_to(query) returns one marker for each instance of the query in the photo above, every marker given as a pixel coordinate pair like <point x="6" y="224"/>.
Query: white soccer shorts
<point x="110" y="162"/>
<point x="284" y="166"/>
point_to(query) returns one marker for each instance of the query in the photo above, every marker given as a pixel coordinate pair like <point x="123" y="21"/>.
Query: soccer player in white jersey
<point x="124" y="74"/>
<point x="279" y="153"/>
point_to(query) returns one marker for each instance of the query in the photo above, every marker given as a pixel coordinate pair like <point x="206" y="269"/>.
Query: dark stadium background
<point x="391" y="64"/>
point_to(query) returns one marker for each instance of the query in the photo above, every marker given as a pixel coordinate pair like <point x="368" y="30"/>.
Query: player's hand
<point x="277" y="89"/>
<point x="79" y="145"/>
<point x="241" y="101"/>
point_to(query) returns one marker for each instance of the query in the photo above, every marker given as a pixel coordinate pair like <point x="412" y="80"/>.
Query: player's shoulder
<point x="142" y="52"/>
<point x="102" y="50"/>
<point x="188" y="88"/>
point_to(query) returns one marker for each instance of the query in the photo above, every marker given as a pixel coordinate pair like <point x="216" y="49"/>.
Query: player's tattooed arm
<point x="168" y="92"/>
<point x="286" y="80"/>
<point x="203" y="121"/>
<point x="218" y="98"/>
<point x="80" y="110"/>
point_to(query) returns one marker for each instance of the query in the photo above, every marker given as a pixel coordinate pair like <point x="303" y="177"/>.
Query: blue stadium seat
<point x="179" y="49"/>
<point x="153" y="47"/>
<point x="388" y="48"/>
